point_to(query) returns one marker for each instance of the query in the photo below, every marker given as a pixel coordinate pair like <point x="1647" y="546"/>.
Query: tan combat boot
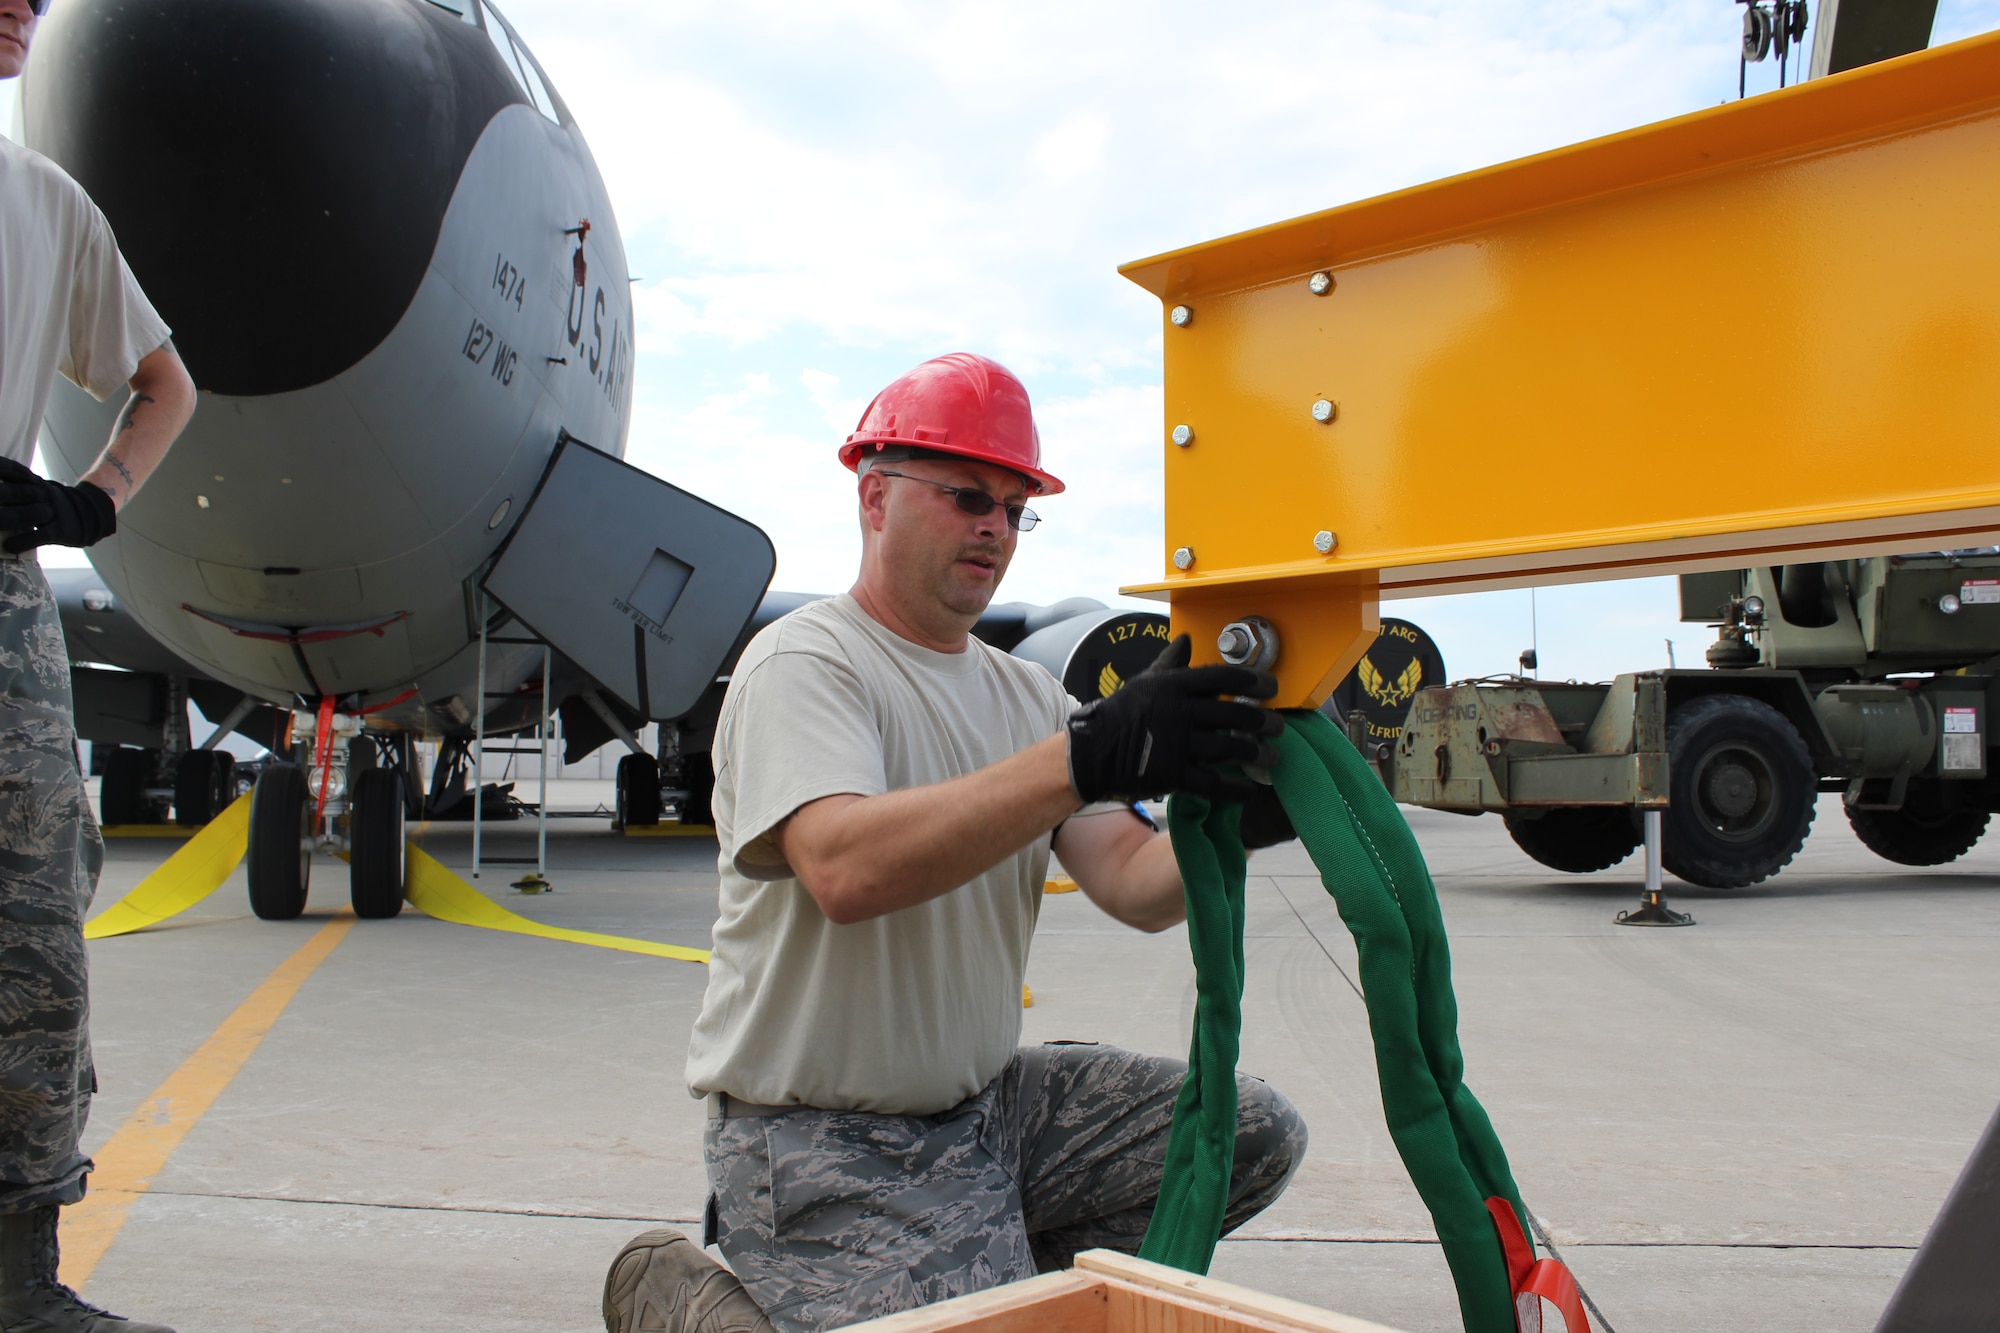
<point x="662" y="1282"/>
<point x="32" y="1298"/>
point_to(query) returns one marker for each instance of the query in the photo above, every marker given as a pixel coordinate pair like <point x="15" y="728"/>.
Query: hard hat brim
<point x="1039" y="482"/>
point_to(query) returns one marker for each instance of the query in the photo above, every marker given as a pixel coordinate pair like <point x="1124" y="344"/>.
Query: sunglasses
<point x="976" y="502"/>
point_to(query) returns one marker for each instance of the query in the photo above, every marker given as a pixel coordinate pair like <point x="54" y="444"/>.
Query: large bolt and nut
<point x="1324" y="541"/>
<point x="1184" y="436"/>
<point x="1251" y="641"/>
<point x="1321" y="283"/>
<point x="1180" y="315"/>
<point x="1324" y="410"/>
<point x="1184" y="557"/>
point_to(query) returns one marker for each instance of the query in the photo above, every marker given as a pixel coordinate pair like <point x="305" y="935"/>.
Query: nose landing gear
<point x="354" y="798"/>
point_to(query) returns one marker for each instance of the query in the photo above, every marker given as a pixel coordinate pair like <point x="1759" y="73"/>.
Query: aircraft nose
<point x="276" y="173"/>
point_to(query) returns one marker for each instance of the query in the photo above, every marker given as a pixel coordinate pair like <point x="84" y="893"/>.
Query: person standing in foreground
<point x="68" y="304"/>
<point x="887" y="792"/>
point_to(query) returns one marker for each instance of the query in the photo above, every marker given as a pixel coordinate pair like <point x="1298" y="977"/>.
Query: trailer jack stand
<point x="1653" y="909"/>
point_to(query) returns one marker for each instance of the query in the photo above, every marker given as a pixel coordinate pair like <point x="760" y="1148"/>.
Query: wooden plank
<point x="1189" y="1293"/>
<point x="1134" y="1309"/>
<point x="1052" y="1303"/>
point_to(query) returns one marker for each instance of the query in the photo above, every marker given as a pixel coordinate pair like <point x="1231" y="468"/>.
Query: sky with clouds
<point x="817" y="196"/>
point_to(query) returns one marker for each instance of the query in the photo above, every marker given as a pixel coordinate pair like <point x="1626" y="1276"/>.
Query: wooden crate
<point x="1109" y="1292"/>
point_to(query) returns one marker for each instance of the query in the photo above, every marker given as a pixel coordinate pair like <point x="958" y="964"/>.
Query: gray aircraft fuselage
<point x="364" y="220"/>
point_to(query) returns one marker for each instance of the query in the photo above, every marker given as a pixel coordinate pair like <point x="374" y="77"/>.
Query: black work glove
<point x="1160" y="732"/>
<point x="47" y="513"/>
<point x="1265" y="823"/>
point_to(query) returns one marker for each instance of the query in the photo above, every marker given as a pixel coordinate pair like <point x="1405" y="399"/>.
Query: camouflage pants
<point x="50" y="852"/>
<point x="831" y="1217"/>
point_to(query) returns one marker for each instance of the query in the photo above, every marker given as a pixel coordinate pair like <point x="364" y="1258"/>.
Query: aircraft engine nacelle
<point x="1089" y="647"/>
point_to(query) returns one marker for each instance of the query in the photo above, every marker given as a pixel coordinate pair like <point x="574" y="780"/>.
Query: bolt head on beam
<point x="1184" y="557"/>
<point x="1321" y="283"/>
<point x="1181" y="316"/>
<point x="1324" y="541"/>
<point x="1184" y="436"/>
<point x="1324" y="410"/>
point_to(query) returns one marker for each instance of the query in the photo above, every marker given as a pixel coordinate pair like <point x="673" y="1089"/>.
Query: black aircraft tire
<point x="698" y="808"/>
<point x="204" y="784"/>
<point x="222" y="781"/>
<point x="638" y="791"/>
<point x="121" y="792"/>
<point x="1741" y="788"/>
<point x="1577" y="839"/>
<point x="280" y="852"/>
<point x="1931" y="829"/>
<point x="375" y="864"/>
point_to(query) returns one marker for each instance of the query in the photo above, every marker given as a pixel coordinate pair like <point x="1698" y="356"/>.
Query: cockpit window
<point x="514" y="55"/>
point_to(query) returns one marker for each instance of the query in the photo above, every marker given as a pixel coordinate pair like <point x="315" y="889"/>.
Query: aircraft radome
<point x="394" y="272"/>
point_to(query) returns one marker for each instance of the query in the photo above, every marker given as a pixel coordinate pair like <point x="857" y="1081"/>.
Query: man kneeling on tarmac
<point x="887" y="792"/>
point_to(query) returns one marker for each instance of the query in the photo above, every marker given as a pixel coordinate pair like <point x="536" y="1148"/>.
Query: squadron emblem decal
<point x="1400" y="664"/>
<point x="1381" y="691"/>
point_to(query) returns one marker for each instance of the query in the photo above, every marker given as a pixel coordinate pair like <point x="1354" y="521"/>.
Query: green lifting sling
<point x="1370" y="863"/>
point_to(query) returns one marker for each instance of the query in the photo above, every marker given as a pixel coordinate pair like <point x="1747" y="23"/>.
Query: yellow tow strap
<point x="212" y="855"/>
<point x="183" y="879"/>
<point x="434" y="890"/>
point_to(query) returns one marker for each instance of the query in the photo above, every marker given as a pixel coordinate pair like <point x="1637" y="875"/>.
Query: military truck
<point x="1874" y="678"/>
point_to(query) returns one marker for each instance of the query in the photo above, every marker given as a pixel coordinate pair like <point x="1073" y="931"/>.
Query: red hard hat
<point x="958" y="404"/>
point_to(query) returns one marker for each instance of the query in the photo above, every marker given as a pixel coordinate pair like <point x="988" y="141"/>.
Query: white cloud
<point x="824" y="194"/>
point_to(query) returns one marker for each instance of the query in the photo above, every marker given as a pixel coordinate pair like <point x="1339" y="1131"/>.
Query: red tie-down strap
<point x="322" y="751"/>
<point x="1535" y="1280"/>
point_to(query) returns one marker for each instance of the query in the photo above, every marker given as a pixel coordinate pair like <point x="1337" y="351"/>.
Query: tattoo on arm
<point x="131" y="411"/>
<point x="119" y="466"/>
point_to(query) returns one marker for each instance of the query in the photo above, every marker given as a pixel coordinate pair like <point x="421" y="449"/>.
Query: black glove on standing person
<point x="1160" y="731"/>
<point x="39" y="512"/>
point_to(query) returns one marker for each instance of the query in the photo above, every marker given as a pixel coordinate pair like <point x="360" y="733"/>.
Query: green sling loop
<point x="1370" y="863"/>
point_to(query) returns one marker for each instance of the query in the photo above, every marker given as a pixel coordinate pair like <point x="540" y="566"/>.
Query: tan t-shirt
<point x="68" y="304"/>
<point x="908" y="1013"/>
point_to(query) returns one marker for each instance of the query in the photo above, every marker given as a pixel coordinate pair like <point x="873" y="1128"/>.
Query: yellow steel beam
<point x="1770" y="330"/>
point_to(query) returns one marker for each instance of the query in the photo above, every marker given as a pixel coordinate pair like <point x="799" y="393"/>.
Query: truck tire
<point x="1577" y="839"/>
<point x="1932" y="828"/>
<point x="1741" y="785"/>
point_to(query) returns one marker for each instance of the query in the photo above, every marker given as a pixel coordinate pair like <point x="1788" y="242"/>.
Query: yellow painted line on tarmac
<point x="130" y="1160"/>
<point x="193" y="872"/>
<point x="433" y="889"/>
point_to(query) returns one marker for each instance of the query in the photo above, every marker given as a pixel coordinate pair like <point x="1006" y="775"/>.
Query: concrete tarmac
<point x="1749" y="1123"/>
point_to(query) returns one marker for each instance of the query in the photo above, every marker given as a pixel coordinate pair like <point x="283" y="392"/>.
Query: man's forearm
<point x="162" y="401"/>
<point x="1124" y="867"/>
<point x="1146" y="891"/>
<point x="862" y="857"/>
